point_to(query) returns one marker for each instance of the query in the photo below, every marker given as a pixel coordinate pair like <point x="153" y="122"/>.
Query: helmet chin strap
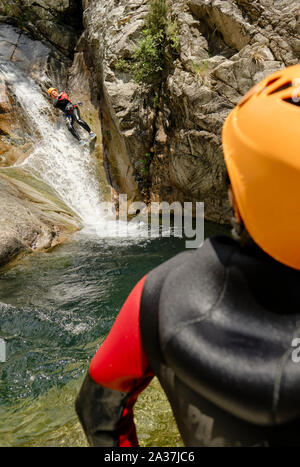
<point x="237" y="229"/>
<point x="234" y="204"/>
<point x="240" y="234"/>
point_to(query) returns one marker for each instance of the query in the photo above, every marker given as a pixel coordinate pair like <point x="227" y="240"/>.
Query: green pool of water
<point x="55" y="310"/>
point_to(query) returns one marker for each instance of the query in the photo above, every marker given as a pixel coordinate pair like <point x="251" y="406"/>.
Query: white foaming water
<point x="61" y="162"/>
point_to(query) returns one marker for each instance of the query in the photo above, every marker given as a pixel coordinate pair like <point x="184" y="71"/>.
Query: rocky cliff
<point x="161" y="139"/>
<point x="223" y="48"/>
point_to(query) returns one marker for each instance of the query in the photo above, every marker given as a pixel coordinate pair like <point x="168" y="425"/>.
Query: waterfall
<point x="60" y="161"/>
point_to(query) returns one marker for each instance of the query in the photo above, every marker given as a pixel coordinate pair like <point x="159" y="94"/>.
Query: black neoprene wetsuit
<point x="71" y="113"/>
<point x="216" y="326"/>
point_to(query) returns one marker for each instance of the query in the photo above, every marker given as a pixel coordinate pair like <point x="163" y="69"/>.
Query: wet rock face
<point x="39" y="60"/>
<point x="111" y="32"/>
<point x="30" y="218"/>
<point x="225" y="47"/>
<point x="15" y="141"/>
<point x="48" y="66"/>
<point x="57" y="22"/>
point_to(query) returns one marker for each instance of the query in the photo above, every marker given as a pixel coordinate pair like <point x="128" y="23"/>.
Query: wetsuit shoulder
<point x="204" y="265"/>
<point x="64" y="95"/>
<point x="173" y="284"/>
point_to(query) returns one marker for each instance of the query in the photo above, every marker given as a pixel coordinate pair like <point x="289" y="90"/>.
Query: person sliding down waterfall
<point x="71" y="113"/>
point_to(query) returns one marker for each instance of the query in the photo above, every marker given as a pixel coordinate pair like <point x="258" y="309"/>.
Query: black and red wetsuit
<point x="63" y="103"/>
<point x="71" y="113"/>
<point x="216" y="326"/>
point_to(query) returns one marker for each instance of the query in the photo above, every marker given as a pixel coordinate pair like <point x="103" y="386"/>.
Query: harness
<point x="63" y="103"/>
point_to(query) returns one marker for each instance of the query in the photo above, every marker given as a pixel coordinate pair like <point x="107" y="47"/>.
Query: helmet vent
<point x="281" y="88"/>
<point x="294" y="101"/>
<point x="273" y="81"/>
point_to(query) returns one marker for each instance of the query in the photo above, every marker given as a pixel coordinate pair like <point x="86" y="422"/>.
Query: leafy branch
<point x="160" y="36"/>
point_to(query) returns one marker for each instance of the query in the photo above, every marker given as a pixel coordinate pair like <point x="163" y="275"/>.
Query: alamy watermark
<point x="162" y="219"/>
<point x="296" y="352"/>
<point x="2" y="351"/>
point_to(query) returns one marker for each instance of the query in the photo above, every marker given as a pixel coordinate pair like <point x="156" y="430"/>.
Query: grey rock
<point x="38" y="60"/>
<point x="60" y="35"/>
<point x="32" y="217"/>
<point x="55" y="22"/>
<point x="225" y="48"/>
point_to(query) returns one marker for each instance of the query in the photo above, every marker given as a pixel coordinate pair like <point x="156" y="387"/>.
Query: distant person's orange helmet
<point x="50" y="90"/>
<point x="261" y="143"/>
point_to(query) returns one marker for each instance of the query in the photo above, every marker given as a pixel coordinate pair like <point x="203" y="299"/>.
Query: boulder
<point x="32" y="217"/>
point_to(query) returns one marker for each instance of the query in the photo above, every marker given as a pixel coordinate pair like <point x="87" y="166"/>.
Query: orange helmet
<point x="261" y="143"/>
<point x="51" y="89"/>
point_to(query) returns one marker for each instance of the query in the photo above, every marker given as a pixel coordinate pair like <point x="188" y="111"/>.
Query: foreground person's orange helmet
<point x="261" y="142"/>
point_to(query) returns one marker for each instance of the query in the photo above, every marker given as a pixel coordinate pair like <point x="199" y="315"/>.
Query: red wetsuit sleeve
<point x="121" y="363"/>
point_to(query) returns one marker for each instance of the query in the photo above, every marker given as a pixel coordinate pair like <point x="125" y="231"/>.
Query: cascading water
<point x="61" y="162"/>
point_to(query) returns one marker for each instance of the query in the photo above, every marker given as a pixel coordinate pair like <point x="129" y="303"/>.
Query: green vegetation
<point x="152" y="60"/>
<point x="201" y="69"/>
<point x="123" y="65"/>
<point x="156" y="100"/>
<point x="7" y="7"/>
<point x="145" y="163"/>
<point x="158" y="44"/>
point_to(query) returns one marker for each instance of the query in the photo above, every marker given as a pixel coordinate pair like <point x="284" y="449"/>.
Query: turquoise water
<point x="55" y="310"/>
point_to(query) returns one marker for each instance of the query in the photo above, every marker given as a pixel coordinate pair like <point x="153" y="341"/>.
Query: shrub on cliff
<point x="160" y="36"/>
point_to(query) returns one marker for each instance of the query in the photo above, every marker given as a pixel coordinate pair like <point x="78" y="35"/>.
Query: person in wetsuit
<point x="218" y="325"/>
<point x="71" y="112"/>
